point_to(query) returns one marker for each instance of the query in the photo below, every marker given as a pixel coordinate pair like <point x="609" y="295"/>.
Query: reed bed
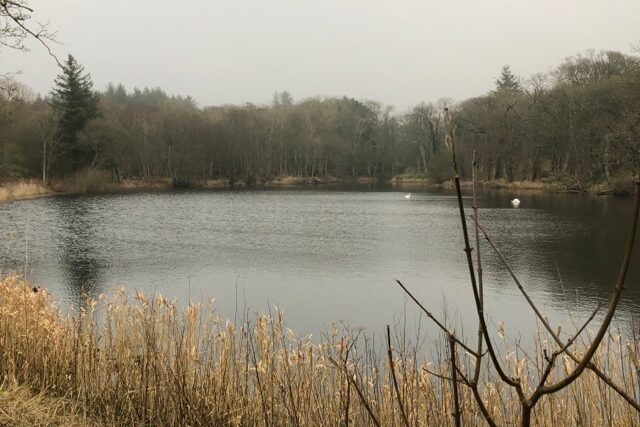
<point x="20" y="406"/>
<point x="23" y="190"/>
<point x="137" y="360"/>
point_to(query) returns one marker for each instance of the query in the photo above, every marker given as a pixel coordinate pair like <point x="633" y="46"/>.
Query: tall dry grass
<point x="23" y="190"/>
<point x="142" y="361"/>
<point x="20" y="406"/>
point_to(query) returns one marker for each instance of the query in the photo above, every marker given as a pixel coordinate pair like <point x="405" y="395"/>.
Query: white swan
<point x="515" y="203"/>
<point x="407" y="196"/>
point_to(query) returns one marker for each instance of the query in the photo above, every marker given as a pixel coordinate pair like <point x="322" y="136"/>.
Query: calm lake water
<point x="325" y="256"/>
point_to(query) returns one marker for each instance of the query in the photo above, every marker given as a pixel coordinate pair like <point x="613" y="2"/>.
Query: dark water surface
<point x="325" y="256"/>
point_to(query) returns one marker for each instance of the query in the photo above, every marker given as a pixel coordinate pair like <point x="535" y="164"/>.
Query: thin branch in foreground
<point x="551" y="360"/>
<point x="436" y="321"/>
<point x="613" y="304"/>
<point x="454" y="381"/>
<point x="363" y="399"/>
<point x="395" y="381"/>
<point x="513" y="382"/>
<point x="474" y="172"/>
<point x="442" y="377"/>
<point x="555" y="335"/>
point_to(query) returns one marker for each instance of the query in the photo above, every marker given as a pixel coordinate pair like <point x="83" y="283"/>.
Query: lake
<point x="326" y="256"/>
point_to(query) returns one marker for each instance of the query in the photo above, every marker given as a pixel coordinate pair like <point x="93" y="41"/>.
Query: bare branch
<point x="613" y="304"/>
<point x="474" y="179"/>
<point x="477" y="397"/>
<point x="454" y="382"/>
<point x="395" y="381"/>
<point x="551" y="360"/>
<point x="513" y="382"/>
<point x="603" y="377"/>
<point x="363" y="399"/>
<point x="14" y="29"/>
<point x="442" y="377"/>
<point x="436" y="321"/>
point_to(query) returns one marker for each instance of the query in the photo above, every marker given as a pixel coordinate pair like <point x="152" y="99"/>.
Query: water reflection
<point x="568" y="245"/>
<point x="327" y="256"/>
<point x="79" y="247"/>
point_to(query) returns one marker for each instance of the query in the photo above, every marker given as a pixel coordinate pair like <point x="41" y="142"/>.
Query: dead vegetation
<point x="143" y="361"/>
<point x="23" y="190"/>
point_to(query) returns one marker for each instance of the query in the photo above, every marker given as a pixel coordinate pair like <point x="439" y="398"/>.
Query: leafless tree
<point x="16" y="27"/>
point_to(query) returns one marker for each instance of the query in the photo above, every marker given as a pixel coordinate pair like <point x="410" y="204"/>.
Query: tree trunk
<point x="423" y="155"/>
<point x="525" y="421"/>
<point x="44" y="160"/>
<point x="606" y="158"/>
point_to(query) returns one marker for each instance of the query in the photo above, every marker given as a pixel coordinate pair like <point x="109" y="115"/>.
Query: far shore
<point x="30" y="189"/>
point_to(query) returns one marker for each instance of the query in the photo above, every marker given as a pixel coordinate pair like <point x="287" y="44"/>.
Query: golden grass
<point x="142" y="361"/>
<point x="503" y="184"/>
<point x="23" y="190"/>
<point x="22" y="407"/>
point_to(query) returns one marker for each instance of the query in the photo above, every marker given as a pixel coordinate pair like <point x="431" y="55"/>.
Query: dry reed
<point x="143" y="361"/>
<point x="20" y="406"/>
<point x="23" y="190"/>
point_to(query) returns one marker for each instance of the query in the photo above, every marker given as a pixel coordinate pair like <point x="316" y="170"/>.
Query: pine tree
<point x="507" y="80"/>
<point x="286" y="100"/>
<point x="76" y="103"/>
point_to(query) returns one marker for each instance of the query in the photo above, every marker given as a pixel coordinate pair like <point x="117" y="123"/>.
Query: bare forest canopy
<point x="578" y="124"/>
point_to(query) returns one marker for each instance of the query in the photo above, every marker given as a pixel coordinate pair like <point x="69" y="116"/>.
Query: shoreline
<point x="32" y="189"/>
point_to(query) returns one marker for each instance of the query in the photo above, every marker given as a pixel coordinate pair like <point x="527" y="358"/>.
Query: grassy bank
<point x="148" y="363"/>
<point x="623" y="186"/>
<point x="98" y="182"/>
<point x="84" y="184"/>
<point x="19" y="190"/>
<point x="498" y="184"/>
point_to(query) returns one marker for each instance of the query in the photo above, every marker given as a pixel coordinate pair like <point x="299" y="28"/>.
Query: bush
<point x="92" y="181"/>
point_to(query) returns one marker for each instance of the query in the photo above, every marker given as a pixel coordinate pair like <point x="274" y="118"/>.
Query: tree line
<point x="578" y="124"/>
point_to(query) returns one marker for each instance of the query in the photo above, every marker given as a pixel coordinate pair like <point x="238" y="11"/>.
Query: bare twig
<point x="551" y="360"/>
<point x="476" y="394"/>
<point x="363" y="399"/>
<point x="476" y="375"/>
<point x="513" y="382"/>
<point x="436" y="321"/>
<point x="395" y="381"/>
<point x="613" y="304"/>
<point x="18" y="13"/>
<point x="454" y="381"/>
<point x="442" y="377"/>
<point x="556" y="337"/>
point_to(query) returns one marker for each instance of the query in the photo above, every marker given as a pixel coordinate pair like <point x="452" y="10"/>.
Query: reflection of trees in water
<point x="79" y="252"/>
<point x="583" y="236"/>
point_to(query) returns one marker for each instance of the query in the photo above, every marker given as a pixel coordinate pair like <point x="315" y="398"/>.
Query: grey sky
<point x="397" y="52"/>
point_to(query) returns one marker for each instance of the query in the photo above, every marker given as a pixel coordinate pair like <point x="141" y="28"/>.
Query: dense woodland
<point x="578" y="124"/>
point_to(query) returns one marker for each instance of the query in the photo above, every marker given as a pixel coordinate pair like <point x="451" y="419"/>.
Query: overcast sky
<point x="398" y="52"/>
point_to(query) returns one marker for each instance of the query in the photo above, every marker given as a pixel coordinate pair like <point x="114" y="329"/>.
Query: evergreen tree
<point x="275" y="101"/>
<point x="286" y="100"/>
<point x="507" y="80"/>
<point x="76" y="103"/>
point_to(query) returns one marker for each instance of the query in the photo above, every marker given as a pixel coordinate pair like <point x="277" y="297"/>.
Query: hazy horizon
<point x="399" y="53"/>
